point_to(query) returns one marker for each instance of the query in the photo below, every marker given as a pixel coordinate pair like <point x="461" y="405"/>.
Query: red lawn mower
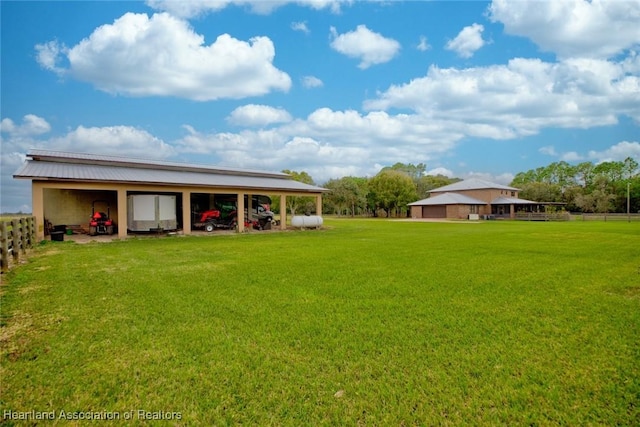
<point x="213" y="218"/>
<point x="100" y="222"/>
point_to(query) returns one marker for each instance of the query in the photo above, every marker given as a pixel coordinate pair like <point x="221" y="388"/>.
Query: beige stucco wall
<point x="73" y="207"/>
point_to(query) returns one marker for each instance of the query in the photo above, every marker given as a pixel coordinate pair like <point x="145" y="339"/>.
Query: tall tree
<point x="415" y="172"/>
<point x="347" y="195"/>
<point x="584" y="174"/>
<point x="612" y="171"/>
<point x="599" y="199"/>
<point x="393" y="190"/>
<point x="541" y="192"/>
<point x="585" y="187"/>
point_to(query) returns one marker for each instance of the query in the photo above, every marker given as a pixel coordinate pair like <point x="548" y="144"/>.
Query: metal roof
<point x="512" y="201"/>
<point x="50" y="165"/>
<point x="472" y="184"/>
<point x="448" y="199"/>
<point x="98" y="159"/>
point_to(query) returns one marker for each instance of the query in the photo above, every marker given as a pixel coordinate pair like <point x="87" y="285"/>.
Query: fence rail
<point x="607" y="217"/>
<point x="542" y="216"/>
<point x="16" y="236"/>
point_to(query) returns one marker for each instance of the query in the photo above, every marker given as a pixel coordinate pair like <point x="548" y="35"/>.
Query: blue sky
<point x="333" y="88"/>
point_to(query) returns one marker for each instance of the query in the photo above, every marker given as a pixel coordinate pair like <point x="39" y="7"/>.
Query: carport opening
<point x="154" y="212"/>
<point x="210" y="211"/>
<point x="74" y="209"/>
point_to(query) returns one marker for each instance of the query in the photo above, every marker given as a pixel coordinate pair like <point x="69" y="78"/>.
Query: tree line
<point x="585" y="187"/>
<point x="386" y="194"/>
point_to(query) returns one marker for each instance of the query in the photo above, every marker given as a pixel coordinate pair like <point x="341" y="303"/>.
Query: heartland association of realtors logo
<point x="135" y="414"/>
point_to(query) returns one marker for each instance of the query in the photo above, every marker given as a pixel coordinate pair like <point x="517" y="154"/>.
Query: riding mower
<point x="213" y="218"/>
<point x="100" y="222"/>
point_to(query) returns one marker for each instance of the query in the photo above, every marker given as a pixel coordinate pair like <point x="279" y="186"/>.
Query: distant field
<point x="368" y="322"/>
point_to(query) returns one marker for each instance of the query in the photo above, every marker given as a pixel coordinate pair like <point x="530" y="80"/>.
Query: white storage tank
<point x="306" y="221"/>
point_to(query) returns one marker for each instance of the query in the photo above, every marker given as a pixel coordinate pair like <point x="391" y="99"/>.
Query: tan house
<point x="66" y="187"/>
<point x="472" y="199"/>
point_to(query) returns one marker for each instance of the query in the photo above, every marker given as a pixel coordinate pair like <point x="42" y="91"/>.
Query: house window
<point x="473" y="209"/>
<point x="513" y="194"/>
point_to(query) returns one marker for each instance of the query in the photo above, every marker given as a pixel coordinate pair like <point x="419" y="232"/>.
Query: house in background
<point x="473" y="199"/>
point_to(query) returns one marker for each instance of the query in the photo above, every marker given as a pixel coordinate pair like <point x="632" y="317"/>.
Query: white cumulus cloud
<point x="193" y="8"/>
<point x="370" y="47"/>
<point x="161" y="55"/>
<point x="468" y="41"/>
<point x="31" y="125"/>
<point x="519" y="98"/>
<point x="617" y="153"/>
<point x="327" y="143"/>
<point x="548" y="150"/>
<point x="573" y="28"/>
<point x="311" y="82"/>
<point x="300" y="26"/>
<point x="440" y="171"/>
<point x="423" y="46"/>
<point x="49" y="55"/>
<point x="112" y="140"/>
<point x="258" y="115"/>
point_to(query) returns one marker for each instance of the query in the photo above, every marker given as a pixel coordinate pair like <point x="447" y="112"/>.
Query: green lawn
<point x="368" y="322"/>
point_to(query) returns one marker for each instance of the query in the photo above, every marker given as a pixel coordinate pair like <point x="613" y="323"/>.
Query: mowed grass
<point x="367" y="322"/>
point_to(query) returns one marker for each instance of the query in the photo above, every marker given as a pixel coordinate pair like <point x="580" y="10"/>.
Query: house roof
<point x="53" y="165"/>
<point x="448" y="199"/>
<point x="512" y="201"/>
<point x="472" y="184"/>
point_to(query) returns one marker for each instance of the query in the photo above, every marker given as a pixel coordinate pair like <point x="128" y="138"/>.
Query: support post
<point x="122" y="213"/>
<point x="186" y="212"/>
<point x="283" y="212"/>
<point x="240" y="212"/>
<point x="249" y="207"/>
<point x="37" y="203"/>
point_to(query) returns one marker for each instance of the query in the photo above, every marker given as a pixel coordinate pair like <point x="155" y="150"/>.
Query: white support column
<point x="283" y="212"/>
<point x="186" y="212"/>
<point x="37" y="202"/>
<point x="123" y="207"/>
<point x="240" y="212"/>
